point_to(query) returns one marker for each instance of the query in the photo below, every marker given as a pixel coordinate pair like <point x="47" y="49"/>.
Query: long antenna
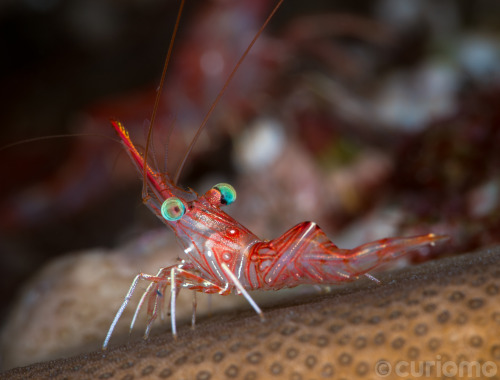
<point x="223" y="90"/>
<point x="157" y="99"/>
<point x="35" y="139"/>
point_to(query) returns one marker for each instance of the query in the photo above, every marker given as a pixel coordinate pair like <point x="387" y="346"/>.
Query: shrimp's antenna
<point x="158" y="96"/>
<point x="223" y="90"/>
<point x="51" y="137"/>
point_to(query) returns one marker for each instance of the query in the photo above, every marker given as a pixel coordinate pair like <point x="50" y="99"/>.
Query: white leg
<point x="173" y="296"/>
<point x="141" y="302"/>
<point x="372" y="278"/>
<point x="242" y="290"/>
<point x="128" y="296"/>
<point x="153" y="318"/>
<point x="139" y="305"/>
<point x="193" y="318"/>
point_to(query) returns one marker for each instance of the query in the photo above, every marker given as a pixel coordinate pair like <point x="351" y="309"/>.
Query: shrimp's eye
<point x="227" y="193"/>
<point x="173" y="209"/>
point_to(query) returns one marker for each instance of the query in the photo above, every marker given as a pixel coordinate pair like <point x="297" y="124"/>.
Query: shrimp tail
<point x="305" y="255"/>
<point x="371" y="255"/>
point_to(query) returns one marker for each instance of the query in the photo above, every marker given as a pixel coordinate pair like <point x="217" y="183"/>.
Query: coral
<point x="443" y="311"/>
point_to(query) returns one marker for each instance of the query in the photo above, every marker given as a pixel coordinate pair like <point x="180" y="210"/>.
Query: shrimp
<point x="222" y="256"/>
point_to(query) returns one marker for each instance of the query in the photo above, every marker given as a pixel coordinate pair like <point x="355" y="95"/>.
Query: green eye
<point x="227" y="193"/>
<point x="173" y="209"/>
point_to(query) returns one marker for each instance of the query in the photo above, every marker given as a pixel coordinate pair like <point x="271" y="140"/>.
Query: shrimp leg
<point x="175" y="275"/>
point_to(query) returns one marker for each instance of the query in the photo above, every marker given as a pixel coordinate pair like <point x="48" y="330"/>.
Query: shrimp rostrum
<point x="224" y="257"/>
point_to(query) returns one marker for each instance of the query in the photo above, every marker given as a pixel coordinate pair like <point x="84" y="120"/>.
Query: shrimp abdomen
<point x="305" y="255"/>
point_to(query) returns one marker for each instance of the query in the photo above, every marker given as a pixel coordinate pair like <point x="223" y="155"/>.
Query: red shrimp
<point x="222" y="256"/>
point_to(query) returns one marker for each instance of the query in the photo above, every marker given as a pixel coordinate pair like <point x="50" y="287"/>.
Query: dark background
<point x="68" y="66"/>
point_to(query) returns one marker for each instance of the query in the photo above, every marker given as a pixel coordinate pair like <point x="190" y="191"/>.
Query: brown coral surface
<point x="445" y="311"/>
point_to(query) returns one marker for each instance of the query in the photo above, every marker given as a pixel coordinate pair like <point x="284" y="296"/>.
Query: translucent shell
<point x="227" y="193"/>
<point x="173" y="209"/>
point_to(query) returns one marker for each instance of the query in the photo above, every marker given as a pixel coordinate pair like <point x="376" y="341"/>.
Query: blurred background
<point x="372" y="118"/>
